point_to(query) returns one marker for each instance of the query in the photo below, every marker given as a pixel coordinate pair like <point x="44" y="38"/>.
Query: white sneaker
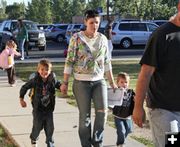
<point x="34" y="145"/>
<point x="22" y="58"/>
<point x="12" y="85"/>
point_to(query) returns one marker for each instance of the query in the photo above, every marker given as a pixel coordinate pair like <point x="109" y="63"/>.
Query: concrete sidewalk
<point x="18" y="120"/>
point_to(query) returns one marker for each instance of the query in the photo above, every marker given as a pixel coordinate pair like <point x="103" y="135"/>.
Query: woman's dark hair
<point x="91" y="14"/>
<point x="20" y="22"/>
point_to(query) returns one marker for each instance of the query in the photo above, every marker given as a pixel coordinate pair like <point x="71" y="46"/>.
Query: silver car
<point x="56" y="32"/>
<point x="72" y="28"/>
<point x="128" y="33"/>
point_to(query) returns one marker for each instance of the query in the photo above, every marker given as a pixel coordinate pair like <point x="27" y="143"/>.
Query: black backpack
<point x="126" y="109"/>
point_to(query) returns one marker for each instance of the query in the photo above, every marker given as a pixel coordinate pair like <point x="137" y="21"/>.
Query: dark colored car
<point x="160" y="22"/>
<point x="8" y="30"/>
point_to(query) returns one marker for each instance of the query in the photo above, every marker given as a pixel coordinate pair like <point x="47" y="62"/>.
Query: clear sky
<point x="10" y="2"/>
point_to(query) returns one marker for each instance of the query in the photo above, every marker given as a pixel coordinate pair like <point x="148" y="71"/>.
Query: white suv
<point x="128" y="33"/>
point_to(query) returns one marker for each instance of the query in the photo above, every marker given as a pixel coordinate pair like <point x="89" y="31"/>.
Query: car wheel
<point x="59" y="38"/>
<point x="126" y="43"/>
<point x="42" y="48"/>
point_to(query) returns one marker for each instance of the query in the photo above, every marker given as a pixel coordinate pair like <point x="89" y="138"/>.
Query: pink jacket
<point x="4" y="57"/>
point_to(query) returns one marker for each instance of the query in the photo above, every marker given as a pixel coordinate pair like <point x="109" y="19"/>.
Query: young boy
<point x="42" y="86"/>
<point x="122" y="114"/>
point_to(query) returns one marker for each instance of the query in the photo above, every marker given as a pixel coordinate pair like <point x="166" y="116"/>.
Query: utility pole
<point x="108" y="29"/>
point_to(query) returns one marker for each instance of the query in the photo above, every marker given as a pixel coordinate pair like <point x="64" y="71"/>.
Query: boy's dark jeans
<point x="42" y="120"/>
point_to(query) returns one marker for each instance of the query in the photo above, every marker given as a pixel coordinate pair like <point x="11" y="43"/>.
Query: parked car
<point x="43" y="26"/>
<point x="128" y="33"/>
<point x="56" y="32"/>
<point x="72" y="28"/>
<point x="8" y="30"/>
<point x="159" y="22"/>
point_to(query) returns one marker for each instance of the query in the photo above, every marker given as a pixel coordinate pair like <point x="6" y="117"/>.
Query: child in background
<point x="42" y="94"/>
<point x="7" y="60"/>
<point x="123" y="124"/>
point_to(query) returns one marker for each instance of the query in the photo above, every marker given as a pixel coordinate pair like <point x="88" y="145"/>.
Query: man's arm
<point x="141" y="90"/>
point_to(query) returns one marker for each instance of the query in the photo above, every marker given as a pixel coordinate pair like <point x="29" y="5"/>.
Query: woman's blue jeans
<point x="84" y="92"/>
<point x="21" y="47"/>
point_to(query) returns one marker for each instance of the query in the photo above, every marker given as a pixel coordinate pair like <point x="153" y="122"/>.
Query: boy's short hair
<point x="46" y="63"/>
<point x="123" y="75"/>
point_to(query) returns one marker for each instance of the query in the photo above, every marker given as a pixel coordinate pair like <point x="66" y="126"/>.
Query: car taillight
<point x="113" y="33"/>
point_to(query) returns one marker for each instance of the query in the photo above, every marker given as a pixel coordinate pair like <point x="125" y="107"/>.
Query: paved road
<point x="56" y="50"/>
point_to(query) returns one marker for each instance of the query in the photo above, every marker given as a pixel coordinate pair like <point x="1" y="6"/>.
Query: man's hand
<point x="138" y="116"/>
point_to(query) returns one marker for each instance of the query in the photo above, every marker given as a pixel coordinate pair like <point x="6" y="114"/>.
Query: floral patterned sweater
<point x="88" y="61"/>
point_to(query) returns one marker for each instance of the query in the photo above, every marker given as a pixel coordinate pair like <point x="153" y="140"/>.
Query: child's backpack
<point x="126" y="109"/>
<point x="3" y="60"/>
<point x="6" y="59"/>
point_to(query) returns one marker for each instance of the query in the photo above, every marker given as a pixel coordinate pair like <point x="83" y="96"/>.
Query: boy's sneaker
<point x="33" y="143"/>
<point x="12" y="85"/>
<point x="22" y="58"/>
<point x="121" y="145"/>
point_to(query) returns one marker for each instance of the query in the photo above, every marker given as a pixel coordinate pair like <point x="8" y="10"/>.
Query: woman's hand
<point x="64" y="88"/>
<point x="23" y="103"/>
<point x="113" y="85"/>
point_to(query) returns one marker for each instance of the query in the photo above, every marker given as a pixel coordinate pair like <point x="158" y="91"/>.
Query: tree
<point x="145" y="9"/>
<point x="33" y="10"/>
<point x="3" y="5"/>
<point x="15" y="11"/>
<point x="94" y="4"/>
<point x="40" y="11"/>
<point x="60" y="10"/>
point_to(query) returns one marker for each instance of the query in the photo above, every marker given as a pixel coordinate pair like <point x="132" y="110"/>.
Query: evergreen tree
<point x="3" y="5"/>
<point x="15" y="11"/>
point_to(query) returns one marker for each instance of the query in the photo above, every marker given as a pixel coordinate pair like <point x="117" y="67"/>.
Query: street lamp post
<point x="109" y="24"/>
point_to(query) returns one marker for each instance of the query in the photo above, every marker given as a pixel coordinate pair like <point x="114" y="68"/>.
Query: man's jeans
<point x="160" y="124"/>
<point x="84" y="92"/>
<point x="43" y="121"/>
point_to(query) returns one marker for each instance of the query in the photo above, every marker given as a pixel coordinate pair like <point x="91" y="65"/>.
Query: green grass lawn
<point x="23" y="70"/>
<point x="130" y="66"/>
<point x="5" y="141"/>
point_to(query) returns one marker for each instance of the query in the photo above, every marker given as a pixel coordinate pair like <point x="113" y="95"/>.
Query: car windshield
<point x="29" y="25"/>
<point x="62" y="27"/>
<point x="49" y="27"/>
